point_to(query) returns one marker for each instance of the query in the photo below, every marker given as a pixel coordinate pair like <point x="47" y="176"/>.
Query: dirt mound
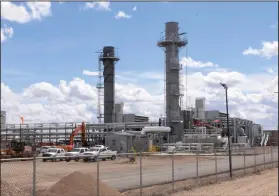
<point x="80" y="184"/>
<point x="11" y="190"/>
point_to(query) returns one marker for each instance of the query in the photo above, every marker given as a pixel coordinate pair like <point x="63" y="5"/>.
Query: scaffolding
<point x="165" y="91"/>
<point x="186" y="80"/>
<point x="181" y="87"/>
<point x="100" y="88"/>
<point x="60" y="132"/>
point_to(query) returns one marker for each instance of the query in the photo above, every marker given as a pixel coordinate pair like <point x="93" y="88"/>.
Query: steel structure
<point x="100" y="89"/>
<point x="53" y="132"/>
<point x="108" y="59"/>
<point x="172" y="43"/>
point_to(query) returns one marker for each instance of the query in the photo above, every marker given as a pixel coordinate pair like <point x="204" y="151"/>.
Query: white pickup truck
<point x="44" y="149"/>
<point x="75" y="154"/>
<point x="103" y="152"/>
<point x="54" y="154"/>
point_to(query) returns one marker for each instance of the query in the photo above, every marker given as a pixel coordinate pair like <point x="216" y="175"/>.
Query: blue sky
<point x="53" y="42"/>
<point x="61" y="46"/>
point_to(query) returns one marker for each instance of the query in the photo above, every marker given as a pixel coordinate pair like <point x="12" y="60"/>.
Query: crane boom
<point x="76" y="131"/>
<point x="81" y="129"/>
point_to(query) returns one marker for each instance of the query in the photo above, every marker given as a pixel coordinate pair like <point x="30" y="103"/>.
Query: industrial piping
<point x="155" y="129"/>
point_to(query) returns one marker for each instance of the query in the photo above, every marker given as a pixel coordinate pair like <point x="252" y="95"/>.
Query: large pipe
<point x="155" y="129"/>
<point x="132" y="126"/>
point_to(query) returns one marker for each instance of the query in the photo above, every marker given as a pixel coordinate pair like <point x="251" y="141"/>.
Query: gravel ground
<point x="19" y="174"/>
<point x="11" y="190"/>
<point x="79" y="184"/>
<point x="208" y="184"/>
<point x="263" y="184"/>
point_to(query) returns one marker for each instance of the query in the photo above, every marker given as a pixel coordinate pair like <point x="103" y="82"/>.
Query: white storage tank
<point x="155" y="129"/>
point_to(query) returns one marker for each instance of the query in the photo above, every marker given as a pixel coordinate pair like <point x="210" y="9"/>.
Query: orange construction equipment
<point x="81" y="129"/>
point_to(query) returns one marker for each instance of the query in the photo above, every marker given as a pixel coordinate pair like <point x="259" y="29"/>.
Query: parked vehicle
<point x="54" y="154"/>
<point x="103" y="153"/>
<point x="44" y="149"/>
<point x="75" y="154"/>
<point x="99" y="146"/>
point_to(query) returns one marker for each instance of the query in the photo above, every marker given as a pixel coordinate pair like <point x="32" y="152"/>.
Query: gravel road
<point x="151" y="176"/>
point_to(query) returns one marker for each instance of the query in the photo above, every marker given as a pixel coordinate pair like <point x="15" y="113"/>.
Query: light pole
<point x="228" y="129"/>
<point x="277" y="124"/>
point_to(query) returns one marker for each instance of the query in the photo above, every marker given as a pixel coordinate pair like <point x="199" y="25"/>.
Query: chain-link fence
<point x="103" y="175"/>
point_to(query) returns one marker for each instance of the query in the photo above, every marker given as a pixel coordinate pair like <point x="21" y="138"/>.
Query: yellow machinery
<point x="153" y="148"/>
<point x="17" y="149"/>
<point x="132" y="158"/>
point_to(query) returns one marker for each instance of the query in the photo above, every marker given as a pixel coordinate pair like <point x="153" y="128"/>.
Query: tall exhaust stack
<point x="108" y="58"/>
<point x="172" y="43"/>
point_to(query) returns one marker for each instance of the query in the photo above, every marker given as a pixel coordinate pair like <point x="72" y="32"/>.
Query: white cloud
<point x="251" y="96"/>
<point x="269" y="49"/>
<point x="105" y="6"/>
<point x="130" y="76"/>
<point x="270" y="70"/>
<point x="6" y="33"/>
<point x="230" y="78"/>
<point x="143" y="75"/>
<point x="134" y="8"/>
<point x="90" y="73"/>
<point x="25" y="12"/>
<point x="122" y="14"/>
<point x="189" y="62"/>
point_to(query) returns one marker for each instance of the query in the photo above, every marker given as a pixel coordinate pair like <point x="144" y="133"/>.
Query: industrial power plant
<point x="190" y="128"/>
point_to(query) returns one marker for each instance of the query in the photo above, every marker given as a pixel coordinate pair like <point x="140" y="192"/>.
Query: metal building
<point x="172" y="43"/>
<point x="134" y="118"/>
<point x="118" y="112"/>
<point x="200" y="108"/>
<point x="108" y="58"/>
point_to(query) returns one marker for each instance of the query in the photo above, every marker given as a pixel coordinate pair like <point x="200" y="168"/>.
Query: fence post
<point x="172" y="164"/>
<point x="244" y="160"/>
<point x="98" y="175"/>
<point x="255" y="161"/>
<point x="141" y="173"/>
<point x="197" y="167"/>
<point x="216" y="171"/>
<point x="271" y="156"/>
<point x="34" y="176"/>
<point x="264" y="155"/>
